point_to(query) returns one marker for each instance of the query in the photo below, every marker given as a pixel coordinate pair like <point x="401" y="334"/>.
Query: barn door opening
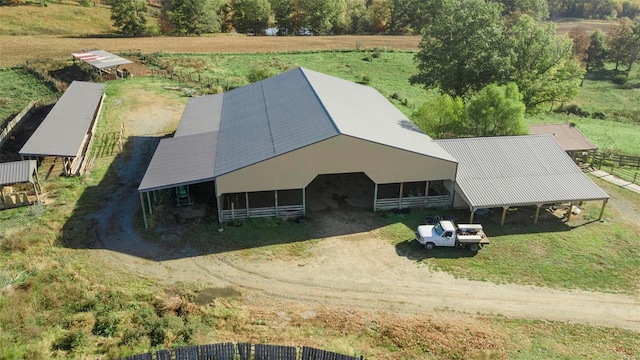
<point x="340" y="191"/>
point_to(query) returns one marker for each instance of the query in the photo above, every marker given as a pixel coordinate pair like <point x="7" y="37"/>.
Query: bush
<point x="257" y="74"/>
<point x="620" y="79"/>
<point x="106" y="325"/>
<point x="366" y="79"/>
<point x="71" y="340"/>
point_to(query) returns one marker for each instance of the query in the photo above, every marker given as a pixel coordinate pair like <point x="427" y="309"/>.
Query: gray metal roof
<point x="181" y="160"/>
<point x="201" y="115"/>
<point x="101" y="59"/>
<point x="17" y="172"/>
<point x="61" y="133"/>
<point x="269" y="118"/>
<point x="362" y="112"/>
<point x="567" y="135"/>
<point x="281" y="114"/>
<point x="518" y="170"/>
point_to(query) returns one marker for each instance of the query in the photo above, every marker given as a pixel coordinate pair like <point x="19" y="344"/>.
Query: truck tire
<point x="473" y="247"/>
<point x="429" y="246"/>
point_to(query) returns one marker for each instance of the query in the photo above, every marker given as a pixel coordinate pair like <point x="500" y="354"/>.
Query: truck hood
<point x="426" y="231"/>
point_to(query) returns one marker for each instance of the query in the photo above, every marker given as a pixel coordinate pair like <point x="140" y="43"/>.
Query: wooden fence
<point x="409" y="202"/>
<point x="284" y="211"/>
<point x="622" y="166"/>
<point x="194" y="80"/>
<point x="602" y="159"/>
<point x="245" y="351"/>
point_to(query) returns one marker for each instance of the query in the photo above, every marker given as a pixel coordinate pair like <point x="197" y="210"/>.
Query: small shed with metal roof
<point x="68" y="129"/>
<point x="568" y="136"/>
<point x="263" y="144"/>
<point x="102" y="61"/>
<point x="531" y="170"/>
<point x="19" y="183"/>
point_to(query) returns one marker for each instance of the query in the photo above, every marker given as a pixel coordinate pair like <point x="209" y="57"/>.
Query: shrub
<point x="71" y="340"/>
<point x="106" y="325"/>
<point x="396" y="96"/>
<point x="620" y="79"/>
<point x="366" y="79"/>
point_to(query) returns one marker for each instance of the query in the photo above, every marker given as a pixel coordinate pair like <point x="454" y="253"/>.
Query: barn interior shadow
<point x="109" y="215"/>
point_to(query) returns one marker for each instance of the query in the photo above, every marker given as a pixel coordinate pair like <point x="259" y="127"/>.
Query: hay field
<point x="17" y="49"/>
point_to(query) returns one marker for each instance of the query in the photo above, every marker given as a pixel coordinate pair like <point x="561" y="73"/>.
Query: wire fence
<point x="20" y="218"/>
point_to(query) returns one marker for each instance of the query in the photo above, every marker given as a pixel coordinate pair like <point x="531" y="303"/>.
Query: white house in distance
<point x="264" y="145"/>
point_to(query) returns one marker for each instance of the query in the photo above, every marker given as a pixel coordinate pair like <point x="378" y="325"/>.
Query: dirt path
<point x="357" y="271"/>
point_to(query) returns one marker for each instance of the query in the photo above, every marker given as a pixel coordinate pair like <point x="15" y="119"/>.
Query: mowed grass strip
<point x="585" y="254"/>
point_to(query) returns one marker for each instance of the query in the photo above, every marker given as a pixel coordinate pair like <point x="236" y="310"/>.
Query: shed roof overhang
<point x="17" y="172"/>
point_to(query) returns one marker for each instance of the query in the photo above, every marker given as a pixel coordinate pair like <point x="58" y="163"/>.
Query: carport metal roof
<point x="101" y="59"/>
<point x="567" y="135"/>
<point x="62" y="132"/>
<point x="17" y="172"/>
<point x="518" y="170"/>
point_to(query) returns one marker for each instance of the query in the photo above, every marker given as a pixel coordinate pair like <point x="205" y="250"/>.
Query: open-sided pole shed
<point x="68" y="129"/>
<point x="101" y="61"/>
<point x="532" y="170"/>
<point x="19" y="173"/>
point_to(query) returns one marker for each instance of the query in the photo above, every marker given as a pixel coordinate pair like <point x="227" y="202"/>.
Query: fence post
<point x="634" y="177"/>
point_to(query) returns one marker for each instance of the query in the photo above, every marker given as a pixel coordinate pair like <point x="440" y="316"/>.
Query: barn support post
<point x="535" y="219"/>
<point x="219" y="206"/>
<point x="246" y="202"/>
<point x="4" y="205"/>
<point x="304" y="202"/>
<point x="276" y="201"/>
<point x="144" y="212"/>
<point x="604" y="204"/>
<point x="570" y="211"/>
<point x="155" y="198"/>
<point x="473" y="212"/>
<point x="504" y="214"/>
<point x="400" y="197"/>
<point x="375" y="197"/>
<point x="426" y="192"/>
<point x="149" y="203"/>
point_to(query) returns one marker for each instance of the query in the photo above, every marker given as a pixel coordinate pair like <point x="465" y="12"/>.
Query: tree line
<point x="327" y="17"/>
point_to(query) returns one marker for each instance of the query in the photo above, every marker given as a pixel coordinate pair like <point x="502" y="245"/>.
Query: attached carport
<point x="68" y="129"/>
<point x="19" y="183"/>
<point x="503" y="172"/>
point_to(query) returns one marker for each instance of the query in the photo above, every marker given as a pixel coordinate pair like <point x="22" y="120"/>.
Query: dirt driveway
<point x="356" y="271"/>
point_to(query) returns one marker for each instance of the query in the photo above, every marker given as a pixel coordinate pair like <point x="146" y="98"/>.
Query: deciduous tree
<point x="597" y="51"/>
<point x="250" y="15"/>
<point x="442" y="117"/>
<point x="541" y="63"/>
<point x="194" y="17"/>
<point x="620" y="42"/>
<point x="463" y="49"/>
<point x="495" y="110"/>
<point x="129" y="16"/>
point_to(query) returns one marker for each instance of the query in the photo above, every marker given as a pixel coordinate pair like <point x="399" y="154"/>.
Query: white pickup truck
<point x="446" y="233"/>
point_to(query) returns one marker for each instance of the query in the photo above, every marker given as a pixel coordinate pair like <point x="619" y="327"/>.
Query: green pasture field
<point x="390" y="71"/>
<point x="17" y="88"/>
<point x="56" y="18"/>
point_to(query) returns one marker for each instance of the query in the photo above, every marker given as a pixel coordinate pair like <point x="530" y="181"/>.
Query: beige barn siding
<point x="459" y="200"/>
<point x="339" y="154"/>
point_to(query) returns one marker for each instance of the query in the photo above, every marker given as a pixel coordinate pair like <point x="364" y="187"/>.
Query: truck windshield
<point x="438" y="228"/>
